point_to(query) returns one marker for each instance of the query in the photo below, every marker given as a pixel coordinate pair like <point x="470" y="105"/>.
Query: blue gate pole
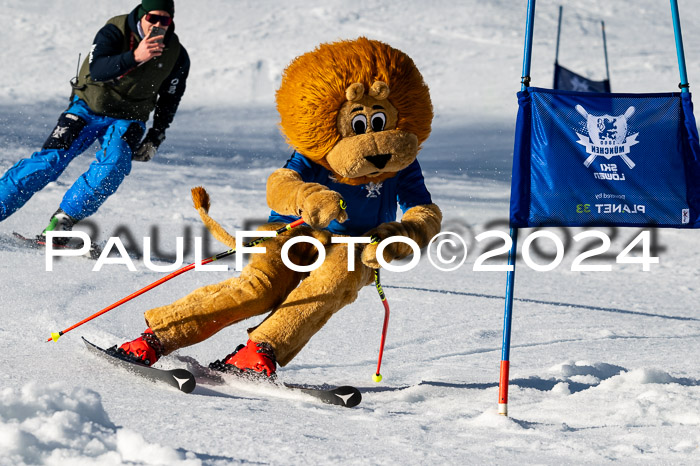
<point x="679" y="46"/>
<point x="556" y="55"/>
<point x="505" y="349"/>
<point x="555" y="77"/>
<point x="605" y="51"/>
<point x="510" y="278"/>
<point x="529" y="29"/>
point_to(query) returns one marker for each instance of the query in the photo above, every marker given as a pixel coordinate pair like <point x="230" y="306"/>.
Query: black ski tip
<point x="93" y="253"/>
<point x="349" y="396"/>
<point x="184" y="379"/>
<point x="29" y="242"/>
<point x="345" y="396"/>
<point x="90" y="344"/>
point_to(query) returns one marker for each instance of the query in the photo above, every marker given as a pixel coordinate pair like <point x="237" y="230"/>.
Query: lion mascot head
<point x="360" y="108"/>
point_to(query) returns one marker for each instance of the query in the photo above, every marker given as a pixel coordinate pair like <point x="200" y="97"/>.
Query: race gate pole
<point x="556" y="54"/>
<point x="605" y="52"/>
<point x="505" y="350"/>
<point x="679" y="46"/>
<point x="510" y="278"/>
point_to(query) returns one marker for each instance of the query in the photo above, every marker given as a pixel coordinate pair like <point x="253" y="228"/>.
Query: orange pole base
<point x="503" y="389"/>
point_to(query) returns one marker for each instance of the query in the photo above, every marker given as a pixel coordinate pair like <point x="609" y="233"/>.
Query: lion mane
<point x="313" y="89"/>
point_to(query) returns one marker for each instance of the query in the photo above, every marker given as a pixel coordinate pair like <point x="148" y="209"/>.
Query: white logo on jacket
<point x="92" y="49"/>
<point x="58" y="132"/>
<point x="373" y="189"/>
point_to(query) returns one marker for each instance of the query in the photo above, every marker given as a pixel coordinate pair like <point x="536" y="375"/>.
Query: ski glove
<point x="419" y="223"/>
<point x="315" y="203"/>
<point x="149" y="146"/>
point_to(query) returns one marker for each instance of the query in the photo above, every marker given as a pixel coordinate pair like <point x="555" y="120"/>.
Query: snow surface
<point x="603" y="365"/>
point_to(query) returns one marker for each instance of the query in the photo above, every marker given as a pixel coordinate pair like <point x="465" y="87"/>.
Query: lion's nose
<point x="379" y="160"/>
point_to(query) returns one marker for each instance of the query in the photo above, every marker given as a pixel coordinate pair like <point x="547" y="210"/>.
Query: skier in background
<point x="128" y="74"/>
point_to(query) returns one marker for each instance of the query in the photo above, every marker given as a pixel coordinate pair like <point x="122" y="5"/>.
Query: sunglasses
<point x="163" y="20"/>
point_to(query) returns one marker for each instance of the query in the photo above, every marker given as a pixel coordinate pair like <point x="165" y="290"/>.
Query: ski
<point x="181" y="379"/>
<point x="36" y="243"/>
<point x="346" y="395"/>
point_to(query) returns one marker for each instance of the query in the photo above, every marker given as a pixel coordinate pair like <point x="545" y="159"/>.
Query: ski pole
<point x="56" y="335"/>
<point x="377" y="377"/>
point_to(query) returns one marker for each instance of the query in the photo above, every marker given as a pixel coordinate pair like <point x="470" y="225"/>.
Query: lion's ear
<point x="355" y="92"/>
<point x="379" y="90"/>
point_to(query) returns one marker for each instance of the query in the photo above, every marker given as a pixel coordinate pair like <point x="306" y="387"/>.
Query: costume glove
<point x="419" y="223"/>
<point x="315" y="203"/>
<point x="321" y="206"/>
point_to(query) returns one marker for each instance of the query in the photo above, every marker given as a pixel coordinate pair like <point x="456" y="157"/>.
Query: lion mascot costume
<point x="356" y="113"/>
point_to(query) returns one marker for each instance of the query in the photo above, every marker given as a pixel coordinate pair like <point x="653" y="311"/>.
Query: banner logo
<point x="607" y="136"/>
<point x="579" y="85"/>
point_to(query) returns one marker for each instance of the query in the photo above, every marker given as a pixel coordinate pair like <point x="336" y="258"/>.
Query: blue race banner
<point x="584" y="159"/>
<point x="567" y="80"/>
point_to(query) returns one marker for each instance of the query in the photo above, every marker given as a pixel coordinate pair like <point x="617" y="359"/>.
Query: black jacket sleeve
<point x="171" y="92"/>
<point x="107" y="61"/>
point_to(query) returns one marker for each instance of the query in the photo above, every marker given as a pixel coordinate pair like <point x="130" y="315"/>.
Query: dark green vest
<point x="132" y="96"/>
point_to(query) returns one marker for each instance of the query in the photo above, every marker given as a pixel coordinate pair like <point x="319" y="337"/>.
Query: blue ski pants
<point x="78" y="127"/>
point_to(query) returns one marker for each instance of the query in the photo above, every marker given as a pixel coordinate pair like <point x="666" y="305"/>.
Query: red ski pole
<point x="56" y="335"/>
<point x="378" y="376"/>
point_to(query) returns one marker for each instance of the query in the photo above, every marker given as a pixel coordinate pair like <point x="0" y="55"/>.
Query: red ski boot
<point x="146" y="349"/>
<point x="252" y="359"/>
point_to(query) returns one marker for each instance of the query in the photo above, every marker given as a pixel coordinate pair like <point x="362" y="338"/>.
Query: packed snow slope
<point x="602" y="364"/>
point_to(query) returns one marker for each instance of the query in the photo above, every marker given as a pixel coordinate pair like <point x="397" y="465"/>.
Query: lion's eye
<point x="378" y="121"/>
<point x="359" y="124"/>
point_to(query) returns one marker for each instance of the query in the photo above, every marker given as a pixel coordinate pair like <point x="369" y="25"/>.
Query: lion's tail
<point x="202" y="204"/>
